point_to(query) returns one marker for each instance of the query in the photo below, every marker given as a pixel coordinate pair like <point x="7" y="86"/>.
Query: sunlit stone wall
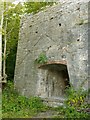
<point x="61" y="32"/>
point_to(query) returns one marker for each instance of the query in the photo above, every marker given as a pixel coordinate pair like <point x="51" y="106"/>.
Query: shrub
<point x="75" y="103"/>
<point x="76" y="98"/>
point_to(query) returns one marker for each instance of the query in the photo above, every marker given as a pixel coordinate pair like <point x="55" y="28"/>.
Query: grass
<point x="17" y="106"/>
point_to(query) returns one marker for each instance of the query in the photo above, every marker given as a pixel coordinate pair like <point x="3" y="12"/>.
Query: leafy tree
<point x="1" y="25"/>
<point x="13" y="24"/>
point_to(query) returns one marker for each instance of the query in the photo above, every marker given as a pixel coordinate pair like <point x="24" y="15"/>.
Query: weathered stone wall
<point x="61" y="32"/>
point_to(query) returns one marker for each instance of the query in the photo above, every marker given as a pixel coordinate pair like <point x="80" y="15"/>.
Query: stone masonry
<point x="61" y="32"/>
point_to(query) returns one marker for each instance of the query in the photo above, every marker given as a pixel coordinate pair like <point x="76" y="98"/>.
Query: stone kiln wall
<point x="60" y="31"/>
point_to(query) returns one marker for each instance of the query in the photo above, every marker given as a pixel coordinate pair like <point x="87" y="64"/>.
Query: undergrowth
<point x="17" y="106"/>
<point x="75" y="105"/>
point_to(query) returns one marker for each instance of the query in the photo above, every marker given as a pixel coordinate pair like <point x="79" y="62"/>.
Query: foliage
<point x="75" y="97"/>
<point x="13" y="104"/>
<point x="75" y="103"/>
<point x="71" y="112"/>
<point x="16" y="106"/>
<point x="42" y="58"/>
<point x="34" y="7"/>
<point x="12" y="14"/>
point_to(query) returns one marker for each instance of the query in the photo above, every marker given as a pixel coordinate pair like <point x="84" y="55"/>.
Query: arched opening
<point x="55" y="81"/>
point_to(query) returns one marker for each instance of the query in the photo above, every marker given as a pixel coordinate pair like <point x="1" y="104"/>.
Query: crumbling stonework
<point x="61" y="32"/>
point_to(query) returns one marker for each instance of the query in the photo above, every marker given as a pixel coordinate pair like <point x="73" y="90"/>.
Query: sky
<point x="17" y="1"/>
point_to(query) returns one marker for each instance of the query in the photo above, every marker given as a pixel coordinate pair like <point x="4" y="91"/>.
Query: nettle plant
<point x="42" y="58"/>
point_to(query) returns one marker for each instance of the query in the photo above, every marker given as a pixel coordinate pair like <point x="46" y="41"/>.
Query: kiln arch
<point x="55" y="80"/>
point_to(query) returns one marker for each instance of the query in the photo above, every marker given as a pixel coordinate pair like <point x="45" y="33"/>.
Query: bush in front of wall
<point x="76" y="98"/>
<point x="75" y="103"/>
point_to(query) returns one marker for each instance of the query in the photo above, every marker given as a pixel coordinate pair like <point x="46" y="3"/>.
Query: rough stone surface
<point x="60" y="31"/>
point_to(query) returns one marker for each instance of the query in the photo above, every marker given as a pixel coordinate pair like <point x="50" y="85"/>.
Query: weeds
<point x="75" y="103"/>
<point x="42" y="58"/>
<point x="16" y="106"/>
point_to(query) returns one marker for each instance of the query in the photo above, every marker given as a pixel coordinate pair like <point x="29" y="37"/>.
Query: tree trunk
<point x="4" y="55"/>
<point x="1" y="25"/>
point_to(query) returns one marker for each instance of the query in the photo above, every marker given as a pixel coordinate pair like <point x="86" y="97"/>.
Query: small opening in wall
<point x="78" y="39"/>
<point x="59" y="24"/>
<point x="78" y="8"/>
<point x="30" y="26"/>
<point x="51" y="18"/>
<point x="36" y="32"/>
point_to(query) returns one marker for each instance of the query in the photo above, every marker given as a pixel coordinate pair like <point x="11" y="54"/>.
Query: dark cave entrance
<point x="55" y="81"/>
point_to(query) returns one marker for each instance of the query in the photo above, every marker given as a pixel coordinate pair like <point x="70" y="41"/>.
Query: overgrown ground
<point x="17" y="106"/>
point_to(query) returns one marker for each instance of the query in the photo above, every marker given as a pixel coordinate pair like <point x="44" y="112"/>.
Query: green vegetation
<point x="12" y="16"/>
<point x="75" y="105"/>
<point x="34" y="7"/>
<point x="76" y="98"/>
<point x="16" y="106"/>
<point x="42" y="58"/>
<point x="13" y="104"/>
